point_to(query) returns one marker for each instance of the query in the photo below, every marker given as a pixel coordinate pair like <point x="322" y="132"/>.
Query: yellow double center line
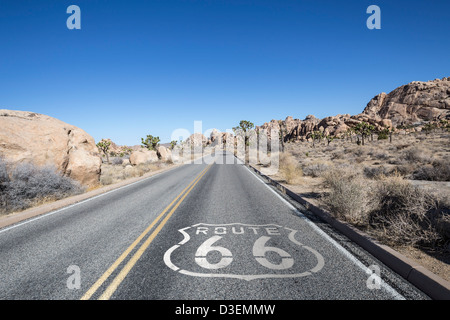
<point x="126" y="269"/>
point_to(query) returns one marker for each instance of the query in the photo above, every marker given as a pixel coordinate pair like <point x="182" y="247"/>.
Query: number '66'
<point x="259" y="252"/>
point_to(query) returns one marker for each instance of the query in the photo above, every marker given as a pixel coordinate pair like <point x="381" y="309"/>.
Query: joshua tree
<point x="383" y="134"/>
<point x="173" y="143"/>
<point x="364" y="129"/>
<point x="281" y="135"/>
<point x="316" y="135"/>
<point x="349" y="134"/>
<point x="329" y="139"/>
<point x="126" y="150"/>
<point x="103" y="146"/>
<point x="391" y="131"/>
<point x="444" y="124"/>
<point x="150" y="142"/>
<point x="429" y="127"/>
<point x="243" y="128"/>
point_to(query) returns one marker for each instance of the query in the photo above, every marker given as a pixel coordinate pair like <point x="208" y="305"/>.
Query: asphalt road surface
<point x="199" y="231"/>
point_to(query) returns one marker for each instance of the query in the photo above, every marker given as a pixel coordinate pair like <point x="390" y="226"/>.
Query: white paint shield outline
<point x="171" y="265"/>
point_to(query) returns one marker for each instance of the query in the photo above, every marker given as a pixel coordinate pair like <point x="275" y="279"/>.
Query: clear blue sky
<point x="149" y="67"/>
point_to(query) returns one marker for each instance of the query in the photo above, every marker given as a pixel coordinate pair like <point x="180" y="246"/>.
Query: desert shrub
<point x="169" y="161"/>
<point x="114" y="173"/>
<point x="390" y="208"/>
<point x="106" y="179"/>
<point x="348" y="196"/>
<point x="359" y="152"/>
<point x="26" y="184"/>
<point x="438" y="171"/>
<point x="376" y="172"/>
<point x="406" y="215"/>
<point x="337" y="155"/>
<point x="330" y="148"/>
<point x="360" y="159"/>
<point x="4" y="184"/>
<point x="415" y="154"/>
<point x="381" y="155"/>
<point x="402" y="146"/>
<point x="399" y="161"/>
<point x="117" y="161"/>
<point x="289" y="168"/>
<point x="315" y="170"/>
<point x="383" y="135"/>
<point x="405" y="170"/>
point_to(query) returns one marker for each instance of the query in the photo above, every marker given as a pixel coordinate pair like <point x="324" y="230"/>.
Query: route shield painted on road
<point x="242" y="251"/>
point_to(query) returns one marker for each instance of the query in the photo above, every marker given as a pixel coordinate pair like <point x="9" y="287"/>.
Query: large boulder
<point x="43" y="140"/>
<point x="196" y="140"/>
<point x="414" y="102"/>
<point x="164" y="154"/>
<point x="118" y="150"/>
<point x="215" y="137"/>
<point x="143" y="156"/>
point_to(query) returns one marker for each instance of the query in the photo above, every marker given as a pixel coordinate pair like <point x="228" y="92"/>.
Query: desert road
<point x="209" y="231"/>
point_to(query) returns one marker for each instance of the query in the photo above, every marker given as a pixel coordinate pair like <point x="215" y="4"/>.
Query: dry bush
<point x="337" y="155"/>
<point x="348" y="197"/>
<point x="407" y="215"/>
<point x="290" y="168"/>
<point x="392" y="209"/>
<point x="417" y="154"/>
<point x="316" y="169"/>
<point x="402" y="146"/>
<point x="115" y="173"/>
<point x="23" y="185"/>
<point x="377" y="172"/>
<point x="360" y="152"/>
<point x="378" y="199"/>
<point x="405" y="170"/>
<point x="381" y="155"/>
<point x="117" y="161"/>
<point x="438" y="171"/>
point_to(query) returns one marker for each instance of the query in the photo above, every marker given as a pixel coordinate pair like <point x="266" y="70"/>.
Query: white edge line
<point x="346" y="253"/>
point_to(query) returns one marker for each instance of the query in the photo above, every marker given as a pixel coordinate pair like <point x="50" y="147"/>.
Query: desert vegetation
<point x="104" y="146"/>
<point x="120" y="169"/>
<point x="150" y="142"/>
<point x="290" y="169"/>
<point x="396" y="190"/>
<point x="24" y="185"/>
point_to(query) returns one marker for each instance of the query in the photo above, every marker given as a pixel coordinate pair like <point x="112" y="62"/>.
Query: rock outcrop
<point x="219" y="138"/>
<point x="43" y="140"/>
<point x="143" y="156"/>
<point x="196" y="140"/>
<point x="414" y="103"/>
<point x="164" y="154"/>
<point x="117" y="150"/>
